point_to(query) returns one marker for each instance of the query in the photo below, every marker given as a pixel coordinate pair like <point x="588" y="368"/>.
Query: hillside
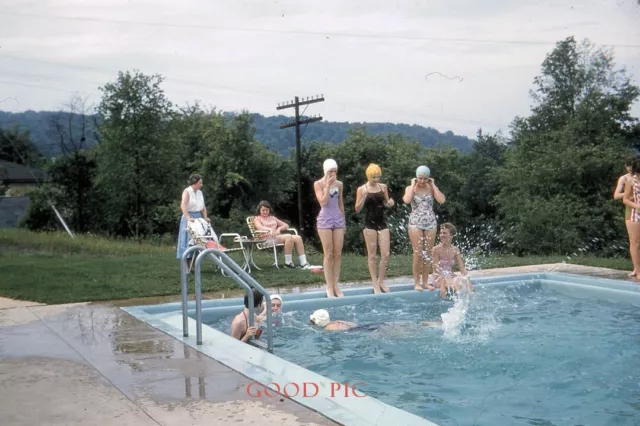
<point x="39" y="125"/>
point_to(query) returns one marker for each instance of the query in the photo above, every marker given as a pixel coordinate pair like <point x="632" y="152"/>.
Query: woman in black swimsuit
<point x="374" y="196"/>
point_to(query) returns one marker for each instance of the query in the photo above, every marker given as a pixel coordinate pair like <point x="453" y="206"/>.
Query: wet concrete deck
<point x="96" y="365"/>
<point x="93" y="364"/>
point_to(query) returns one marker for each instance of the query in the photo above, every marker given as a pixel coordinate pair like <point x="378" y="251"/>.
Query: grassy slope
<point x="53" y="268"/>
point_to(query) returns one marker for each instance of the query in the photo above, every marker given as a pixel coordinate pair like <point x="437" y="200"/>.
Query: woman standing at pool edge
<point x="632" y="199"/>
<point x="422" y="223"/>
<point x="192" y="206"/>
<point x="331" y="224"/>
<point x="374" y="197"/>
<point x="618" y="194"/>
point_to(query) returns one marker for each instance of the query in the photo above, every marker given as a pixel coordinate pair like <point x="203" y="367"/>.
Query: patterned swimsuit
<point x="422" y="216"/>
<point x="635" y="213"/>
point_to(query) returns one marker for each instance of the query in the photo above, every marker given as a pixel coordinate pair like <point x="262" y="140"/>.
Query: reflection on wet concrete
<point x="101" y="346"/>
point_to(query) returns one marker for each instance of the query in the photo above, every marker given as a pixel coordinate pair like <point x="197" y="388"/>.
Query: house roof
<point x="18" y="173"/>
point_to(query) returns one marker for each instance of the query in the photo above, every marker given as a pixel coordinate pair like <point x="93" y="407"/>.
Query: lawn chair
<point x="267" y="245"/>
<point x="201" y="233"/>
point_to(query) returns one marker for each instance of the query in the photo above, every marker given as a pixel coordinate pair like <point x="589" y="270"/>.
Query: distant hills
<point x="268" y="131"/>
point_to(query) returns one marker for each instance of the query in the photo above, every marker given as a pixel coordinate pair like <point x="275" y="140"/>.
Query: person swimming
<point x="321" y="318"/>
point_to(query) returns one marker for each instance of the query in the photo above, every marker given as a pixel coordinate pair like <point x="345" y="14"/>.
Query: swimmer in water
<point x="276" y="308"/>
<point x="321" y="318"/>
<point x="445" y="255"/>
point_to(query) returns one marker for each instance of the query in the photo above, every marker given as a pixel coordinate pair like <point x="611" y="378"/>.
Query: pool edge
<point x="265" y="368"/>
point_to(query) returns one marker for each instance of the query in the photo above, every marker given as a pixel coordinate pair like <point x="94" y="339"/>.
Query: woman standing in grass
<point x="192" y="207"/>
<point x="373" y="196"/>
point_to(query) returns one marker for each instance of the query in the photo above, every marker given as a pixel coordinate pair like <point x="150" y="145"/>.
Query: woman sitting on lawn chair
<point x="265" y="221"/>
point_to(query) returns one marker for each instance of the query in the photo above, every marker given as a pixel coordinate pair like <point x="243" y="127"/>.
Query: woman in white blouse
<point x="192" y="207"/>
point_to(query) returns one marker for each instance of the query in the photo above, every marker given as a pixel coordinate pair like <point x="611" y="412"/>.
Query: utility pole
<point x="296" y="104"/>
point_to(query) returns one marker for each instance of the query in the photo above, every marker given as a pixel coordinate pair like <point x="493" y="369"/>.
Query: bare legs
<point x="422" y="242"/>
<point x="632" y="251"/>
<point x="332" y="241"/>
<point x="289" y="241"/>
<point x="372" y="239"/>
<point x="634" y="246"/>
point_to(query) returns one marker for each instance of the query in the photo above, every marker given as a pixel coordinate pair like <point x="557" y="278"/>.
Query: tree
<point x="138" y="160"/>
<point x="16" y="147"/>
<point x="239" y="172"/>
<point x="74" y="171"/>
<point x="556" y="182"/>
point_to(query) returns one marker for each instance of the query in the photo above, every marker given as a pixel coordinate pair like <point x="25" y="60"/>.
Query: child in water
<point x="445" y="255"/>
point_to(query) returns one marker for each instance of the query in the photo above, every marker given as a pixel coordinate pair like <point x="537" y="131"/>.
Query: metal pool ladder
<point x="234" y="271"/>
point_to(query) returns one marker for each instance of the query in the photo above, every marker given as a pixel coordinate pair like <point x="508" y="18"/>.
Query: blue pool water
<point x="517" y="355"/>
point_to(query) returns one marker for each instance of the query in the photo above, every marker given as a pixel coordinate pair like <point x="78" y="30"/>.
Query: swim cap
<point x="423" y="170"/>
<point x="320" y="317"/>
<point x="373" y="170"/>
<point x="276" y="297"/>
<point x="329" y="164"/>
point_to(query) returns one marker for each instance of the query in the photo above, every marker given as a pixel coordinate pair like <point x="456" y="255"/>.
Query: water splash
<point x="454" y="319"/>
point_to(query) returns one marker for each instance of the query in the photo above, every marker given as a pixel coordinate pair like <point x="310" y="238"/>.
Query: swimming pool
<point x="531" y="349"/>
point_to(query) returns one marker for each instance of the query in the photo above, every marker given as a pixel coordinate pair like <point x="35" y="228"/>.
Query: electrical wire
<point x="299" y="32"/>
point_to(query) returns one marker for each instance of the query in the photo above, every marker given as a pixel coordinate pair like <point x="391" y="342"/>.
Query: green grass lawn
<point x="53" y="268"/>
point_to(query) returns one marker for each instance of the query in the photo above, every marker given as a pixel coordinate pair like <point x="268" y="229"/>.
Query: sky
<point x="448" y="64"/>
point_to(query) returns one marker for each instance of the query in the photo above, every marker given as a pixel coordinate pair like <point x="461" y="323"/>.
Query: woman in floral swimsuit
<point x="422" y="223"/>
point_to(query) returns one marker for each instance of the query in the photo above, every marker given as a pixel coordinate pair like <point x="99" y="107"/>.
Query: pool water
<point x="520" y="355"/>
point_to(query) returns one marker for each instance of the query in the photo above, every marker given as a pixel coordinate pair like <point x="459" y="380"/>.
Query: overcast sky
<point x="369" y="58"/>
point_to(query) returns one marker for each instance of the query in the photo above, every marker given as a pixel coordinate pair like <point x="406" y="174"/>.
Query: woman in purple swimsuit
<point x="331" y="224"/>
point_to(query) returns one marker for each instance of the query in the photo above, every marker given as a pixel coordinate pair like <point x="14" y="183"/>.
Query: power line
<point x="308" y="33"/>
<point x="296" y="104"/>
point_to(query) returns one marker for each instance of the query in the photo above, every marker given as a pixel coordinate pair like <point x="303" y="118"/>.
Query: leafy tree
<point x="138" y="160"/>
<point x="16" y="147"/>
<point x="555" y="187"/>
<point x="239" y="172"/>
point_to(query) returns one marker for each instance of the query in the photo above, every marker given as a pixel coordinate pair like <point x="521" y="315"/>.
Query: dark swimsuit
<point x="367" y="327"/>
<point x="375" y="212"/>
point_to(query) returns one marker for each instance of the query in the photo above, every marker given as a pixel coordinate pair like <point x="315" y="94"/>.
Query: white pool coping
<point x="265" y="368"/>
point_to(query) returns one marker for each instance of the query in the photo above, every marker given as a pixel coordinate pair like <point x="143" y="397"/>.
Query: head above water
<point x="257" y="299"/>
<point x="276" y="304"/>
<point x="423" y="171"/>
<point x="320" y="318"/>
<point x="329" y="165"/>
<point x="373" y="171"/>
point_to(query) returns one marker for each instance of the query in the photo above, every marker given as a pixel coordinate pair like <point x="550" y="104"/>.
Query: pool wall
<point x="265" y="368"/>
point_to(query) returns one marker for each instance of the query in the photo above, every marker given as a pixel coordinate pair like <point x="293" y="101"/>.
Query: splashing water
<point x="454" y="318"/>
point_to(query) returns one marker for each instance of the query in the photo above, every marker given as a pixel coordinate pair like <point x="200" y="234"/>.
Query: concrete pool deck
<point x="94" y="364"/>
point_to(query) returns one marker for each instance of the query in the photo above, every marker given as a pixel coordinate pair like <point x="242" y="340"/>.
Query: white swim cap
<point x="320" y="317"/>
<point x="329" y="164"/>
<point x="276" y="297"/>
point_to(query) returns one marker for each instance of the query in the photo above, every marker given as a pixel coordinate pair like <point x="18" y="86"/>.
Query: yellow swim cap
<point x="373" y="170"/>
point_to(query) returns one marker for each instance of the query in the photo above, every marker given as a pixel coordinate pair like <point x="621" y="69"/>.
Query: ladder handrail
<point x="253" y="283"/>
<point x="184" y="287"/>
<point x="213" y="253"/>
